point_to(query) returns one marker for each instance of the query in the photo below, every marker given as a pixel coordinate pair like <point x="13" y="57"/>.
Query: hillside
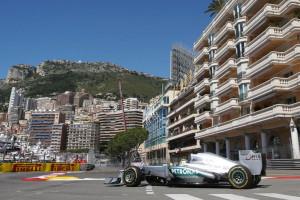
<point x="53" y="77"/>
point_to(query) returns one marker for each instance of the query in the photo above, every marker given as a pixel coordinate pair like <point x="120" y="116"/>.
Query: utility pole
<point x="122" y="106"/>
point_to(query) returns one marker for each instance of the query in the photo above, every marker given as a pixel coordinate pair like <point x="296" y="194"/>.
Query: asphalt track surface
<point x="89" y="185"/>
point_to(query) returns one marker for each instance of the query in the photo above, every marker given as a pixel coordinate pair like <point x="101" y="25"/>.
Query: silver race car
<point x="202" y="168"/>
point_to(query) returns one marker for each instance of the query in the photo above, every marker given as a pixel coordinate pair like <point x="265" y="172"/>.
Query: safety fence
<point x="38" y="167"/>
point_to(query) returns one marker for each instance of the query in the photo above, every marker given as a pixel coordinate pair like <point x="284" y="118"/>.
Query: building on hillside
<point x="65" y="98"/>
<point x="249" y="62"/>
<point x="112" y="123"/>
<point x="46" y="103"/>
<point x="58" y="137"/>
<point x="15" y="107"/>
<point x="83" y="135"/>
<point x="131" y="103"/>
<point x="41" y="124"/>
<point x="155" y="122"/>
<point x="79" y="97"/>
<point x="181" y="63"/>
<point x="30" y="104"/>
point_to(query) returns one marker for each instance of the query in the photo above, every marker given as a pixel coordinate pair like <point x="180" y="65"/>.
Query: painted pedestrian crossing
<point x="255" y="196"/>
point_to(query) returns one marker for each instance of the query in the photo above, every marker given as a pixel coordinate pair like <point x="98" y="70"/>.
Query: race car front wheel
<point x="132" y="176"/>
<point x="240" y="177"/>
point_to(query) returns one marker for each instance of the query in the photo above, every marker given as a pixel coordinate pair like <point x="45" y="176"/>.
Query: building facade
<point x="58" y="137"/>
<point x="15" y="107"/>
<point x="247" y="76"/>
<point x="181" y="63"/>
<point x="40" y="126"/>
<point x="83" y="135"/>
<point x="112" y="123"/>
<point x="155" y="122"/>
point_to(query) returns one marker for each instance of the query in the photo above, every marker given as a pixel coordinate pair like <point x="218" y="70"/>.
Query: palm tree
<point x="215" y="6"/>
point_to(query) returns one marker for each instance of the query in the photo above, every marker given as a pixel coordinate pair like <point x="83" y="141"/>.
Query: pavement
<point x="90" y="186"/>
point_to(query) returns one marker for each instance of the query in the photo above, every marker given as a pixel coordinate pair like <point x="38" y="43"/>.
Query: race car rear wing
<point x="253" y="161"/>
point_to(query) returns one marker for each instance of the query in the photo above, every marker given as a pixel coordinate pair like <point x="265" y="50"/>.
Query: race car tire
<point x="240" y="177"/>
<point x="156" y="181"/>
<point x="256" y="180"/>
<point x="132" y="176"/>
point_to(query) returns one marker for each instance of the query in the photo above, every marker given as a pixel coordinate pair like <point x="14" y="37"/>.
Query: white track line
<point x="182" y="197"/>
<point x="279" y="196"/>
<point x="232" y="196"/>
<point x="149" y="190"/>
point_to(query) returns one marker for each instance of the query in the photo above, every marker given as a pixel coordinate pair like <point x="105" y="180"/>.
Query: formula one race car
<point x="202" y="168"/>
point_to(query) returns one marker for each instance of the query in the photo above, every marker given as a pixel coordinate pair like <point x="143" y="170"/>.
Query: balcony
<point x="201" y="85"/>
<point x="274" y="58"/>
<point x="202" y="100"/>
<point x="182" y="120"/>
<point x="273" y="112"/>
<point x="228" y="27"/>
<point x="270" y="10"/>
<point x="273" y="33"/>
<point x="247" y="5"/>
<point x="229" y="45"/>
<point x="203" y="68"/>
<point x="228" y="7"/>
<point x="203" y="117"/>
<point x="227" y="105"/>
<point x="231" y="83"/>
<point x="190" y="102"/>
<point x="201" y="54"/>
<point x="225" y="68"/>
<point x="181" y="134"/>
<point x="275" y="84"/>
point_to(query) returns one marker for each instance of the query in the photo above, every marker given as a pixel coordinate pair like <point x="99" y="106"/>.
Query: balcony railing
<point x="275" y="84"/>
<point x="231" y="83"/>
<point x="247" y="5"/>
<point x="269" y="10"/>
<point x="225" y="29"/>
<point x="200" y="55"/>
<point x="202" y="69"/>
<point x="220" y="16"/>
<point x="273" y="112"/>
<point x="182" y="120"/>
<point x="186" y="132"/>
<point x="225" y="67"/>
<point x="202" y="117"/>
<point x="201" y="100"/>
<point x="201" y="85"/>
<point x="273" y="33"/>
<point x="227" y="105"/>
<point x="223" y="49"/>
<point x="190" y="102"/>
<point x="273" y="58"/>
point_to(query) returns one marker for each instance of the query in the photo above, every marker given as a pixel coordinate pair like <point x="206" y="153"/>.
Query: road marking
<point x="279" y="196"/>
<point x="182" y="197"/>
<point x="149" y="190"/>
<point x="232" y="196"/>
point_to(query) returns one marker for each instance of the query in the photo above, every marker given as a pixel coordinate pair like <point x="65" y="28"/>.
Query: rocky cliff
<point x="20" y="72"/>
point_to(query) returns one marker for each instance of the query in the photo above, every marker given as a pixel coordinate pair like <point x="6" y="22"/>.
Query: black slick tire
<point x="132" y="176"/>
<point x="240" y="177"/>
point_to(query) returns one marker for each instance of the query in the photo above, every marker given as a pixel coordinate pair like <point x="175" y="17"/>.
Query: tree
<point x="124" y="143"/>
<point x="215" y="6"/>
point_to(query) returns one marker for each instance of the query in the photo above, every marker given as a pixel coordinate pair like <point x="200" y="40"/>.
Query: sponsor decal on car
<point x="183" y="171"/>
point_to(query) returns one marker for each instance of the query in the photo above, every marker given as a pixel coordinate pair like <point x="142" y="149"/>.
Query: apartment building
<point x="181" y="122"/>
<point x="83" y="135"/>
<point x="58" y="137"/>
<point x="40" y="126"/>
<point x="181" y="63"/>
<point x="248" y="79"/>
<point x="112" y="123"/>
<point x="155" y="122"/>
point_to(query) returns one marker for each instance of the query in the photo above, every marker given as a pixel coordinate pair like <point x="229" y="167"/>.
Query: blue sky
<point x="136" y="34"/>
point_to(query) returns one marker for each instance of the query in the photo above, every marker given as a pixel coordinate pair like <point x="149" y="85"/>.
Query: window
<point x="237" y="11"/>
<point x="240" y="49"/>
<point x="243" y="90"/>
<point x="239" y="28"/>
<point x="291" y="100"/>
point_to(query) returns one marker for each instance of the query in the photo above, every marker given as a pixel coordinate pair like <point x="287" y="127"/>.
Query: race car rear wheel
<point x="156" y="181"/>
<point x="240" y="177"/>
<point x="132" y="176"/>
<point x="256" y="180"/>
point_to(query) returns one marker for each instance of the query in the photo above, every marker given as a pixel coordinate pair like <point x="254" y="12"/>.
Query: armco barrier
<point x="30" y="167"/>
